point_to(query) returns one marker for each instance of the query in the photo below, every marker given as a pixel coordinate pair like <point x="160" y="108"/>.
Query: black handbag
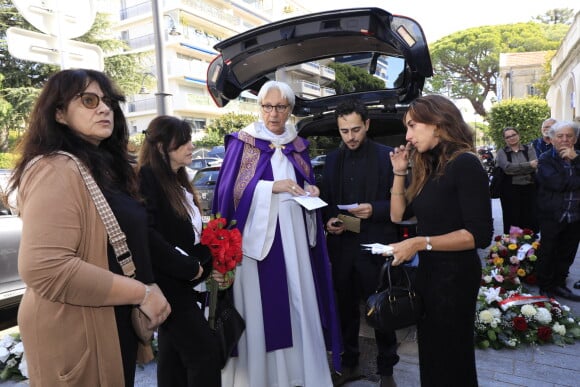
<point x="229" y="326"/>
<point x="393" y="305"/>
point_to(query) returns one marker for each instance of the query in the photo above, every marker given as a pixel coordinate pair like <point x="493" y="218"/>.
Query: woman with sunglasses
<point x="518" y="190"/>
<point x="74" y="317"/>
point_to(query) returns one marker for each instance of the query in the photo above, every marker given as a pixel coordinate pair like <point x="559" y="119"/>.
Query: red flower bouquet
<point x="225" y="245"/>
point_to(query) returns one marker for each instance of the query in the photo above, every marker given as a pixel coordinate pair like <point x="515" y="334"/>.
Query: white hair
<point x="559" y="125"/>
<point x="284" y="89"/>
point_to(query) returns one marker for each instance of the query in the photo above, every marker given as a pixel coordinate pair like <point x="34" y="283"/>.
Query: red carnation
<point x="520" y="323"/>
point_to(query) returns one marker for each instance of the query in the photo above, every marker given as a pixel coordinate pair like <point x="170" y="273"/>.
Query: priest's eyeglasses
<point x="92" y="100"/>
<point x="279" y="108"/>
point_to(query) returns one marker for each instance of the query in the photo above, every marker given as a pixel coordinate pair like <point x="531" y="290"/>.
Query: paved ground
<point x="538" y="366"/>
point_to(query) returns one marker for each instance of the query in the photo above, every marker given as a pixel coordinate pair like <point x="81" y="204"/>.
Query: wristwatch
<point x="428" y="247"/>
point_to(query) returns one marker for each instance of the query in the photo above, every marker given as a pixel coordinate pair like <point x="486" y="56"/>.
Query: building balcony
<point x="327" y="73"/>
<point x="327" y="91"/>
<point x="141" y="106"/>
<point x="306" y="89"/>
<point x="218" y="16"/>
<point x="308" y="68"/>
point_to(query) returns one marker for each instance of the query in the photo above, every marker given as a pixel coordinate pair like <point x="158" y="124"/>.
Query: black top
<point x="132" y="219"/>
<point x="457" y="200"/>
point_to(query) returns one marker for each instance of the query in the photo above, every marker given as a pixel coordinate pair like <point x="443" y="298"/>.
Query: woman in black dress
<point x="449" y="195"/>
<point x="188" y="350"/>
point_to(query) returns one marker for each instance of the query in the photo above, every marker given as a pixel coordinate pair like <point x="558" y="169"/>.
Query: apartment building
<point x="189" y="30"/>
<point x="564" y="93"/>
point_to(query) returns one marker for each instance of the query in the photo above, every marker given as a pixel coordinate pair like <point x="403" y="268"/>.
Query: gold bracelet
<point x="400" y="174"/>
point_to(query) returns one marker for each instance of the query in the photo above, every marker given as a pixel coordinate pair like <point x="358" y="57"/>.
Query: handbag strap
<point x="386" y="269"/>
<point x="117" y="237"/>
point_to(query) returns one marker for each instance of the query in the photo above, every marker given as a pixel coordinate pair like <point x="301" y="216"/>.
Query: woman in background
<point x="518" y="190"/>
<point x="188" y="351"/>
<point x="449" y="195"/>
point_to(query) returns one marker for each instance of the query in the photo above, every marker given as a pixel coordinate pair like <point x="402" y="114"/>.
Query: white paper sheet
<point x="310" y="202"/>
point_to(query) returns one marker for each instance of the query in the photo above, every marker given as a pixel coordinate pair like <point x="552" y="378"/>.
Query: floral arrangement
<point x="511" y="260"/>
<point x="506" y="315"/>
<point x="509" y="318"/>
<point x="225" y="244"/>
<point x="12" y="361"/>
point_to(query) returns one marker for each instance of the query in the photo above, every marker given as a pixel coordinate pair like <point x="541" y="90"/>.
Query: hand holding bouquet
<point x="225" y="244"/>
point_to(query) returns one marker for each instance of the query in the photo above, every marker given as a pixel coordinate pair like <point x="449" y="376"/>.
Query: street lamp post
<point x="161" y="96"/>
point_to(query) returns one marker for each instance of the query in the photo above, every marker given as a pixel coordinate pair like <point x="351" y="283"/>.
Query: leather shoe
<point x="348" y="374"/>
<point x="566" y="293"/>
<point x="387" y="381"/>
<point x="577" y="285"/>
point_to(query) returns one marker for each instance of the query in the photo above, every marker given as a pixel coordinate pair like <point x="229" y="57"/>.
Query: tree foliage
<point x="526" y="114"/>
<point x="21" y="80"/>
<point x="349" y="79"/>
<point x="225" y="124"/>
<point x="466" y="63"/>
<point x="556" y="16"/>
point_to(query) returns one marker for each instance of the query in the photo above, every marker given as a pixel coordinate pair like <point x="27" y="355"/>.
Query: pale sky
<point x="439" y="18"/>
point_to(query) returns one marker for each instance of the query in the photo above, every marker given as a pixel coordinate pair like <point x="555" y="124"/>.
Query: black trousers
<point x="188" y="351"/>
<point x="354" y="281"/>
<point x="517" y="206"/>
<point x="558" y="246"/>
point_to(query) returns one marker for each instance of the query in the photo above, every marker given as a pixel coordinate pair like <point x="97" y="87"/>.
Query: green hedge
<point x="7" y="160"/>
<point x="525" y="114"/>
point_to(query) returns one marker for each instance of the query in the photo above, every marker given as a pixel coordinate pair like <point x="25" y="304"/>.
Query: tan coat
<point x="70" y="338"/>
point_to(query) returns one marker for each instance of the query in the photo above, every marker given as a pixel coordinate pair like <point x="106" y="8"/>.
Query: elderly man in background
<point x="543" y="143"/>
<point x="558" y="179"/>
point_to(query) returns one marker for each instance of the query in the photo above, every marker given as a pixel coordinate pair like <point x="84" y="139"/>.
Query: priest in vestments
<point x="283" y="287"/>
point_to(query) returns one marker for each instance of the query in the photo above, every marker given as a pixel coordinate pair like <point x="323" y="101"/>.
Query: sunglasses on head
<point x="92" y="100"/>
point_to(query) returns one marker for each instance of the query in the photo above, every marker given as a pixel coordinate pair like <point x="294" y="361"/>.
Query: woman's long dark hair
<point x="109" y="162"/>
<point x="455" y="135"/>
<point x="165" y="134"/>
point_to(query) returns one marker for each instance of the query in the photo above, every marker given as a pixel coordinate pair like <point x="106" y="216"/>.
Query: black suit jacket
<point x="345" y="249"/>
<point x="174" y="271"/>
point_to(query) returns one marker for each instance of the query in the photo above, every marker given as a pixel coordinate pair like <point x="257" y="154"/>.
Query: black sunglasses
<point x="92" y="100"/>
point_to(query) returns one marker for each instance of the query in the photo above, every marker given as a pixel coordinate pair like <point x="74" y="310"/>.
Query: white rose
<point x="495" y="312"/>
<point x="18" y="349"/>
<point x="23" y="367"/>
<point x="528" y="310"/>
<point x="6" y="341"/>
<point x="487" y="279"/>
<point x="4" y="353"/>
<point x="559" y="329"/>
<point x="485" y="316"/>
<point x="543" y="316"/>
